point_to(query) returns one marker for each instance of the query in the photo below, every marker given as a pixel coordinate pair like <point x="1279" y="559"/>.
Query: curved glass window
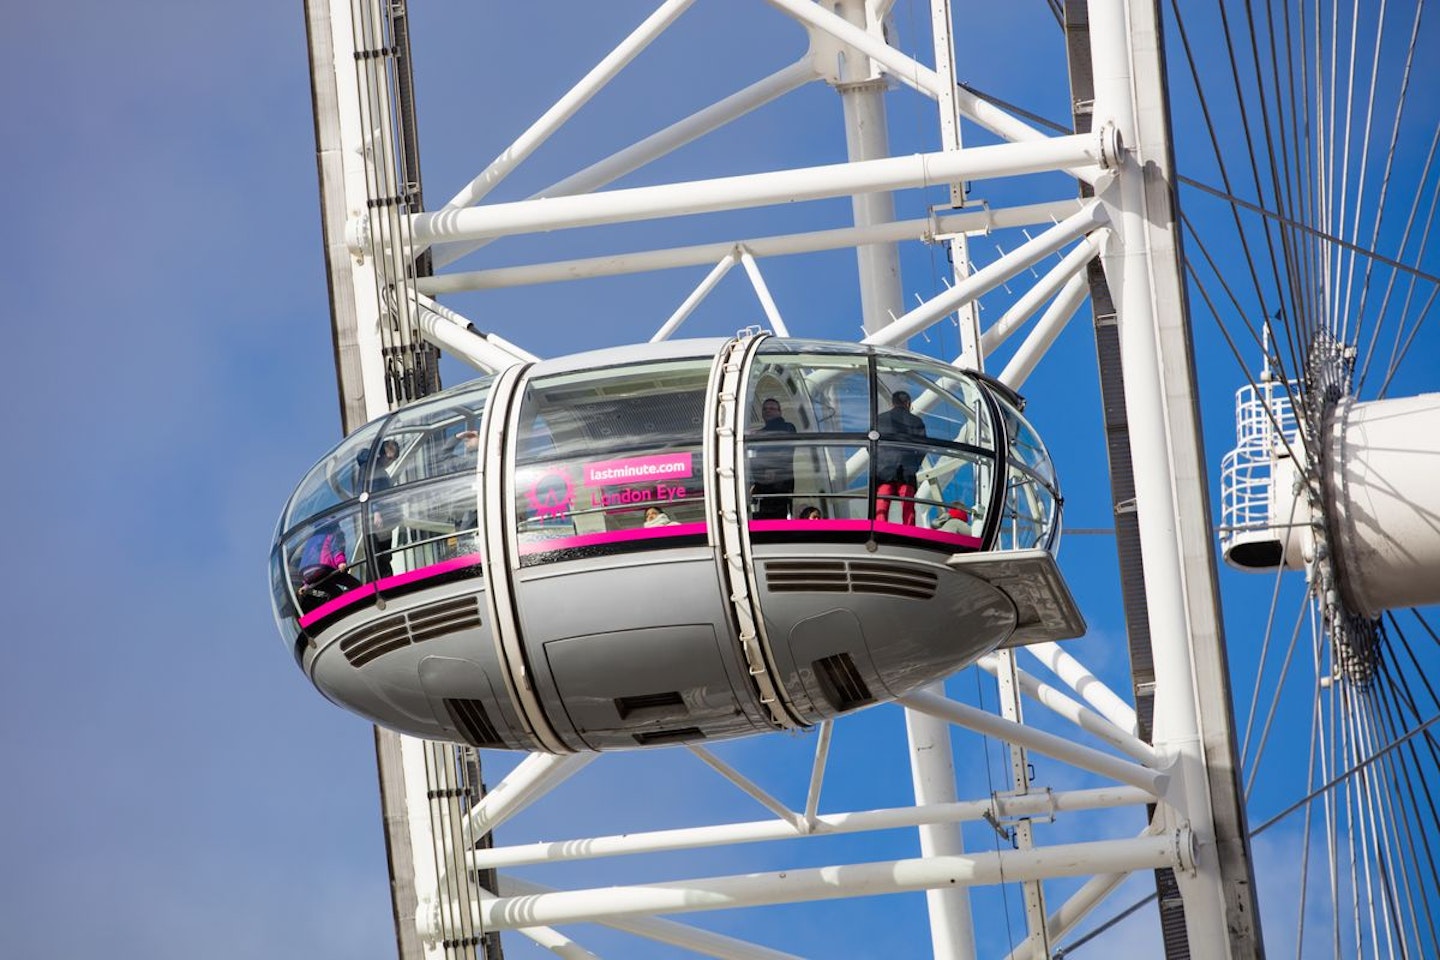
<point x="393" y="503"/>
<point x="611" y="458"/>
<point x="1031" y="516"/>
<point x="911" y="441"/>
<point x="324" y="561"/>
<point x="337" y="478"/>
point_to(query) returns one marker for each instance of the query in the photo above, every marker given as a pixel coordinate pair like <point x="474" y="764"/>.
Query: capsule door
<point x="625" y="630"/>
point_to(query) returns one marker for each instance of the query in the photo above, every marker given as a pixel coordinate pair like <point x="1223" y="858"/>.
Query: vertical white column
<point x="862" y="94"/>
<point x="972" y="357"/>
<point x="1141" y="225"/>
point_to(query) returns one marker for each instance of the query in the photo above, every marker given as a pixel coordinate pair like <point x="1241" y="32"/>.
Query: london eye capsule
<point x="674" y="542"/>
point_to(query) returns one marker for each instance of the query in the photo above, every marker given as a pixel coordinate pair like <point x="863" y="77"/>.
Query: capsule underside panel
<point x="848" y="630"/>
<point x="609" y="636"/>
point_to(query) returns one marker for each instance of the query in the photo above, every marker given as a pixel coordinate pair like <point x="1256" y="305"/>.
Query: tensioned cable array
<point x="1326" y="170"/>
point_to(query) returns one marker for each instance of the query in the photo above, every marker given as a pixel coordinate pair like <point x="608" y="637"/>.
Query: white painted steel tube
<point x="450" y="331"/>
<point x="909" y="71"/>
<point x="759" y="189"/>
<point x="696" y="296"/>
<point x="749" y="787"/>
<point x="468" y="346"/>
<point x="659" y="144"/>
<point x="663" y="931"/>
<point x="932" y="777"/>
<point x="759" y="831"/>
<point x="700" y="254"/>
<point x="828" y="883"/>
<point x="992" y="275"/>
<point x="1041" y="291"/>
<point x="530" y="780"/>
<point x="762" y="291"/>
<point x="867" y="138"/>
<point x="1071" y="912"/>
<point x="1038" y="343"/>
<point x="558" y="944"/>
<point x="817" y="773"/>
<point x="564" y="108"/>
<point x="1038" y="740"/>
<point x="1134" y="257"/>
<point x="1084" y="718"/>
<point x="1089" y="687"/>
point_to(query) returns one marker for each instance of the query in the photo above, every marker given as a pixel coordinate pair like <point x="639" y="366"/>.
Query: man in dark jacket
<point x="896" y="466"/>
<point x="772" y="468"/>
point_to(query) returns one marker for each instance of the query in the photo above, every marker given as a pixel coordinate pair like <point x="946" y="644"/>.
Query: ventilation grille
<point x="669" y="736"/>
<point x="414" y="626"/>
<point x="650" y="703"/>
<point x="470" y="718"/>
<point x="845" y="576"/>
<point x="841" y="682"/>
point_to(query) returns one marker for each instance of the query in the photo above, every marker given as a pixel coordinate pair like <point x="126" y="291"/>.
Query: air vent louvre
<point x="402" y="629"/>
<point x="669" y="736"/>
<point x="447" y="616"/>
<point x="839" y="576"/>
<point x="841" y="682"/>
<point x="375" y="640"/>
<point x="789" y="576"/>
<point x="473" y="722"/>
<point x="651" y="703"/>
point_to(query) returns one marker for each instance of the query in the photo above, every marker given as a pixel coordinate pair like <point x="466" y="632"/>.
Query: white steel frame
<point x="848" y="50"/>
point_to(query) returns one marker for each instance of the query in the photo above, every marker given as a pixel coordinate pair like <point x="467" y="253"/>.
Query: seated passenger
<point x="655" y="517"/>
<point x="957" y="520"/>
<point x="810" y="513"/>
<point x="772" y="469"/>
<point x="896" y="466"/>
<point x="323" y="568"/>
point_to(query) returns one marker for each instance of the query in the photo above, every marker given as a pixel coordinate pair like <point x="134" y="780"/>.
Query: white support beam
<point x="761" y="831"/>
<point x="992" y="275"/>
<point x="1192" y="721"/>
<point x="619" y="264"/>
<point x="565" y="108"/>
<point x="909" y="71"/>
<point x="932" y="778"/>
<point x="696" y="296"/>
<point x="1038" y="343"/>
<point x="867" y="137"/>
<point x="1058" y="748"/>
<point x="832" y="882"/>
<point x="753" y="190"/>
<point x="1071" y="710"/>
<point x="488" y="353"/>
<point x="762" y="292"/>
<point x="1089" y="687"/>
<point x="749" y="787"/>
<point x="659" y="144"/>
<point x="558" y="944"/>
<point x="817" y="773"/>
<point x="1072" y="911"/>
<point x="1041" y="291"/>
<point x="535" y="776"/>
<point x="662" y="931"/>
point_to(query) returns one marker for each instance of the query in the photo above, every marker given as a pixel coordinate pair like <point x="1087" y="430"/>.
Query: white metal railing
<point x="1264" y="425"/>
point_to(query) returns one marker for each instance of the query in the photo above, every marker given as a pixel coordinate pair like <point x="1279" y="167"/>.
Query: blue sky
<point x="175" y="788"/>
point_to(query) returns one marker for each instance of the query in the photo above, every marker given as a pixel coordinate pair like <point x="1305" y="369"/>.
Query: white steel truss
<point x="1196" y="830"/>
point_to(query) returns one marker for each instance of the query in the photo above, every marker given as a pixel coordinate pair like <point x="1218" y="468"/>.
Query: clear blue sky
<point x="173" y="787"/>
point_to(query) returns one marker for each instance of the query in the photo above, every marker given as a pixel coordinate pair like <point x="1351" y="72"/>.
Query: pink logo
<point x="670" y="466"/>
<point x="551" y="495"/>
